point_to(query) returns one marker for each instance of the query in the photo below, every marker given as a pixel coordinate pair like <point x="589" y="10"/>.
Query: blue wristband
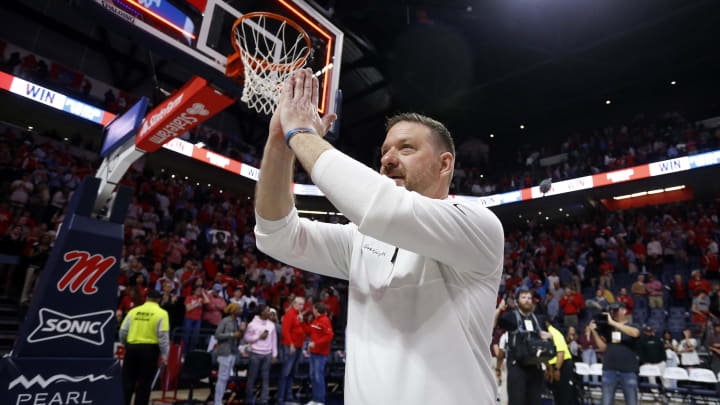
<point x="292" y="132"/>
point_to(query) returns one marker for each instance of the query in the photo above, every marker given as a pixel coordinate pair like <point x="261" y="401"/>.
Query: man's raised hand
<point x="298" y="104"/>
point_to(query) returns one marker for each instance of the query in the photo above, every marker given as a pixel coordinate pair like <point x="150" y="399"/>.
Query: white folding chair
<point x="706" y="385"/>
<point x="652" y="373"/>
<point x="702" y="375"/>
<point x="582" y="369"/>
<point x="678" y="374"/>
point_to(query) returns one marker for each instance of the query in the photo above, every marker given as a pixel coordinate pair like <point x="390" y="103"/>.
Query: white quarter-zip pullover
<point x="423" y="279"/>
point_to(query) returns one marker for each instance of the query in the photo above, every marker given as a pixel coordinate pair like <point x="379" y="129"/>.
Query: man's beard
<point x="526" y="308"/>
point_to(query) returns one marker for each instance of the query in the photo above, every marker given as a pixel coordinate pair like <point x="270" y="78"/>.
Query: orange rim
<point x="267" y="65"/>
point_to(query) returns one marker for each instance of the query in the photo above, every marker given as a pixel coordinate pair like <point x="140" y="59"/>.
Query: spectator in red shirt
<point x="698" y="283"/>
<point x="135" y="296"/>
<point x="679" y="296"/>
<point x="571" y="304"/>
<point x="321" y="335"/>
<point x="193" y="316"/>
<point x="606" y="270"/>
<point x="628" y="301"/>
<point x="293" y="337"/>
<point x="155" y="274"/>
<point x="711" y="265"/>
<point x="189" y="278"/>
<point x="332" y="304"/>
<point x="159" y="247"/>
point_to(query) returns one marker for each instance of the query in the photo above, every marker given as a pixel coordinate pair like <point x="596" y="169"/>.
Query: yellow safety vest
<point x="146" y="321"/>
<point x="560" y="345"/>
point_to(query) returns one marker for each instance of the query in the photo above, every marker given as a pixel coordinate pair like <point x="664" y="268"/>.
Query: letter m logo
<point x="85" y="272"/>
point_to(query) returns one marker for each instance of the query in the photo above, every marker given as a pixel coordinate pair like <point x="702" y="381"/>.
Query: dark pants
<point x="562" y="392"/>
<point x="191" y="334"/>
<point x="317" y="376"/>
<point x="261" y="363"/>
<point x="139" y="367"/>
<point x="288" y="373"/>
<point x="525" y="385"/>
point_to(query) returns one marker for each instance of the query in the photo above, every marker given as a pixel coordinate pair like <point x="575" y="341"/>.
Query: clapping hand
<point x="298" y="104"/>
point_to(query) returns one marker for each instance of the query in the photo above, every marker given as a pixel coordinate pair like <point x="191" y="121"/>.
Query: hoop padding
<point x="268" y="57"/>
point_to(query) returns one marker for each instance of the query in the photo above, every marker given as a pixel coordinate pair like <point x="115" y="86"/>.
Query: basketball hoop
<point x="269" y="48"/>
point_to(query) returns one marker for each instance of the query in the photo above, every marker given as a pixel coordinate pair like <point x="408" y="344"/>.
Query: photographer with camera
<point x="616" y="337"/>
<point x="528" y="347"/>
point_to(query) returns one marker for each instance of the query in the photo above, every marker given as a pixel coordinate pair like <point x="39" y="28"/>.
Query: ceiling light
<point x="220" y="191"/>
<point x="560" y="209"/>
<point x="65" y="139"/>
<point x="519" y="215"/>
<point x="656" y="191"/>
<point x="197" y="184"/>
<point x="567" y="215"/>
<point x="492" y="135"/>
<point x="209" y="185"/>
<point x="608" y="101"/>
<point x="638" y="194"/>
<point x="672" y="83"/>
<point x="30" y="128"/>
<point x="522" y="126"/>
<point x="622" y="197"/>
<point x="173" y="176"/>
<point x="675" y="188"/>
<point x="186" y="178"/>
<point x="547" y="218"/>
<point x="481" y="176"/>
<point x="539" y="212"/>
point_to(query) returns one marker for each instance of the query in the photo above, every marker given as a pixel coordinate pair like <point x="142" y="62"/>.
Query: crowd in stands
<point x="644" y="139"/>
<point x="195" y="244"/>
<point x="660" y="262"/>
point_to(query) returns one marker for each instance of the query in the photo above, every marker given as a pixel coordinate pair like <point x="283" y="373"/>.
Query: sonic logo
<point x="88" y="328"/>
<point x="86" y="271"/>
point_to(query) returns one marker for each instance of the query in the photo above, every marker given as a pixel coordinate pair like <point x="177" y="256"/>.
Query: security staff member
<point x="524" y="383"/>
<point x="144" y="332"/>
<point x="559" y="368"/>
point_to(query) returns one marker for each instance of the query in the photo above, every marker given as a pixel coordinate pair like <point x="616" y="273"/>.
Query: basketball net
<point x="269" y="56"/>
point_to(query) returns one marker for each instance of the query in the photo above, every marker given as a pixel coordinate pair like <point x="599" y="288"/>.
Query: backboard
<point x="197" y="33"/>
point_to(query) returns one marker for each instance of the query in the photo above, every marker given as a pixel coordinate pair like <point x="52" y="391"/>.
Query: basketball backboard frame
<point x="209" y="63"/>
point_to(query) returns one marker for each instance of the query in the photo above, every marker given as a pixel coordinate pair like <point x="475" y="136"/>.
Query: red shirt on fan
<point x="572" y="304"/>
<point x="333" y="305"/>
<point x="196" y="313"/>
<point x="292" y="329"/>
<point x="187" y="288"/>
<point x="628" y="301"/>
<point x="321" y="334"/>
<point x="211" y="268"/>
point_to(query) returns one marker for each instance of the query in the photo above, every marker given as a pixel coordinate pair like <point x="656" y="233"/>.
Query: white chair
<point x="582" y="369"/>
<point x="708" y="380"/>
<point x="652" y="373"/>
<point x="650" y="370"/>
<point x="678" y="374"/>
<point x="702" y="375"/>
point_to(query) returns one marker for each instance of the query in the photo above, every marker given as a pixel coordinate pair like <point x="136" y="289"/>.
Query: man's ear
<point x="447" y="163"/>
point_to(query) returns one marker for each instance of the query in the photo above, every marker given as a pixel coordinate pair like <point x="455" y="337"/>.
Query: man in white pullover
<point x="423" y="270"/>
